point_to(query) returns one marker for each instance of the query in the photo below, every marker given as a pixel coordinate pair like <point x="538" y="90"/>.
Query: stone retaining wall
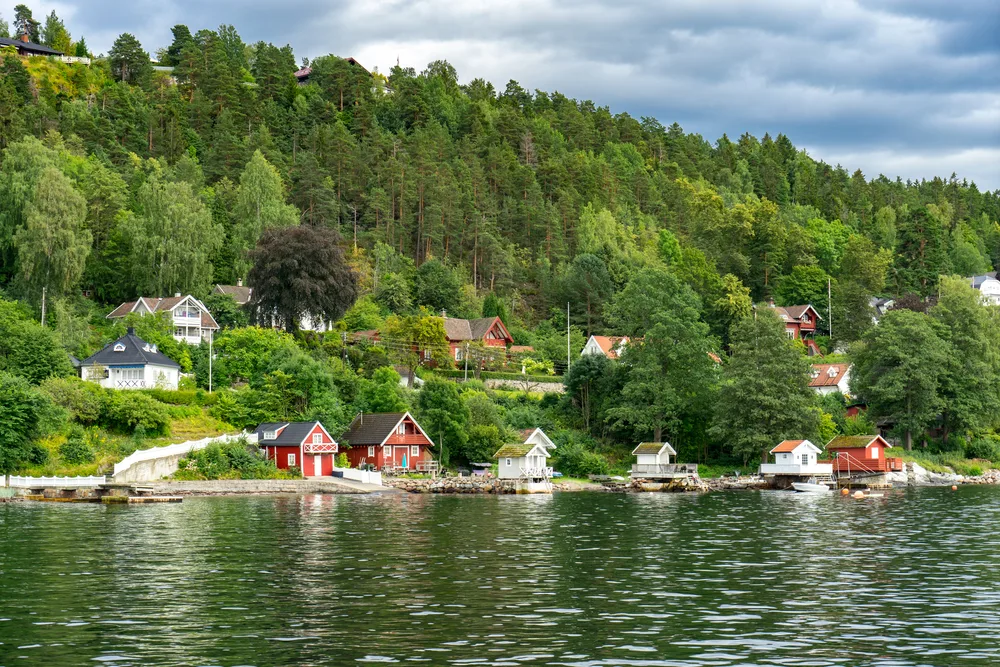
<point x="450" y="485"/>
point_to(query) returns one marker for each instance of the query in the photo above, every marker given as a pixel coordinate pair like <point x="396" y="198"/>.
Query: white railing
<point x="536" y="473"/>
<point x="176" y="450"/>
<point x="363" y="476"/>
<point x="53" y="482"/>
<point x="131" y="384"/>
<point x="795" y="469"/>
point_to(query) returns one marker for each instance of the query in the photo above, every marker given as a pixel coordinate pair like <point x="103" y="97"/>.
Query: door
<point x="318" y="465"/>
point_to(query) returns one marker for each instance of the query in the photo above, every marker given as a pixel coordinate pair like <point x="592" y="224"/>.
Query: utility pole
<point x="567" y="337"/>
<point x="44" y="290"/>
<point x="466" y="362"/>
<point x="210" y="353"/>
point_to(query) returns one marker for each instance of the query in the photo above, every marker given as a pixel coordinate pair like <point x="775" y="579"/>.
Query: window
<point x="386" y="450"/>
<point x="874" y="452"/>
<point x="401" y="429"/>
<point x="270" y="435"/>
<point x="180" y="331"/>
<point x="805" y="459"/>
<point x="317" y="438"/>
<point x="415" y="450"/>
<point x="458" y="354"/>
<point x="427" y="355"/>
<point x="291" y="460"/>
<point x="371" y="451"/>
<point x="506" y="462"/>
<point x="119" y="347"/>
<point x="790" y="333"/>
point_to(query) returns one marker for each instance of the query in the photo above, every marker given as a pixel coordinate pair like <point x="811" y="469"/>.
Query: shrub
<point x="83" y="400"/>
<point x="343" y="461"/>
<point x="229" y="460"/>
<point x="574" y="460"/>
<point x="76" y="450"/>
<point x="983" y="448"/>
<point x="132" y="411"/>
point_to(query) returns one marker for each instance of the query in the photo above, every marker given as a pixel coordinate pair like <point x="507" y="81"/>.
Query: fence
<point x="18" y="482"/>
<point x="131" y="468"/>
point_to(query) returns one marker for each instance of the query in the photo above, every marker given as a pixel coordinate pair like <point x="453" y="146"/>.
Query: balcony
<point x="664" y="470"/>
<point x="320" y="448"/>
<point x="796" y="469"/>
<point x="408" y="439"/>
<point x="536" y="473"/>
<point x="130" y="384"/>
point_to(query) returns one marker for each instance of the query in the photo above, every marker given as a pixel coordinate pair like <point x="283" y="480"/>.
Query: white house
<point x="796" y="457"/>
<point x="191" y="319"/>
<point x="651" y="457"/>
<point x="536" y="436"/>
<point x="608" y="346"/>
<point x="830" y="379"/>
<point x="989" y="287"/>
<point x="523" y="461"/>
<point x="131" y="363"/>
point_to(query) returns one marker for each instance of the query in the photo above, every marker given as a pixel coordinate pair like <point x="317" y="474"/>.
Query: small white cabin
<point x="131" y="363"/>
<point x="525" y="461"/>
<point x="653" y="454"/>
<point x="989" y="287"/>
<point x="796" y="457"/>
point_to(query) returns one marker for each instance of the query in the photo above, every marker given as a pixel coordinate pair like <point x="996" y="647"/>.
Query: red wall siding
<point x="279" y="454"/>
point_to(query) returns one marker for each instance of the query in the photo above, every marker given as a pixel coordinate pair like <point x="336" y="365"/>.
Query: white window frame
<point x="874" y="452"/>
<point x="291" y="460"/>
<point x="317" y="439"/>
<point x="387" y="450"/>
<point x="805" y="459"/>
<point x="270" y="435"/>
<point x="507" y="462"/>
<point x="371" y="450"/>
<point x="119" y="347"/>
<point x="414" y="450"/>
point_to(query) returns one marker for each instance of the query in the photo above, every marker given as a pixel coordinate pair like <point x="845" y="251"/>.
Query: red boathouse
<point x="861" y="454"/>
<point x="306" y="445"/>
<point x="390" y="441"/>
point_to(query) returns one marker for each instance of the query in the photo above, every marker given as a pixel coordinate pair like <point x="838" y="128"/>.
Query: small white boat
<point x="810" y="487"/>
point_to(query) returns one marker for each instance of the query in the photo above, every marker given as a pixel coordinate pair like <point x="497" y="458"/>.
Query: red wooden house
<point x="490" y="331"/>
<point x="800" y="323"/>
<point x="306" y="445"/>
<point x="859" y="454"/>
<point x="388" y="440"/>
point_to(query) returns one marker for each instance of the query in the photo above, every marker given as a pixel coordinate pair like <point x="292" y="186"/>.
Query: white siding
<point x="147" y="377"/>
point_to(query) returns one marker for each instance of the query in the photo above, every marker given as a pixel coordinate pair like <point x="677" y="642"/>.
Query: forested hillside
<point x="119" y="180"/>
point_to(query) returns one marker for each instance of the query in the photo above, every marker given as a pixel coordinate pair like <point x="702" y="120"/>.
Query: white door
<point x="317" y="465"/>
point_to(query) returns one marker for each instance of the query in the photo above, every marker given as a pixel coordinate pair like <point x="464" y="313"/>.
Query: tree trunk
<point x="657" y="433"/>
<point x="909" y="440"/>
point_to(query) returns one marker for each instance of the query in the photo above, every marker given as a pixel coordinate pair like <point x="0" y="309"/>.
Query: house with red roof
<point x="608" y="346"/>
<point x="796" y="457"/>
<point x="390" y="441"/>
<point x="830" y="378"/>
<point x="191" y="319"/>
<point x="306" y="445"/>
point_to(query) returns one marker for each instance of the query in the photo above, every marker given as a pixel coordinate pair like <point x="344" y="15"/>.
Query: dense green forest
<point x="421" y="194"/>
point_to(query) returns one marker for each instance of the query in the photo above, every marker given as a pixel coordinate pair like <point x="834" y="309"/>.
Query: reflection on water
<point x="723" y="579"/>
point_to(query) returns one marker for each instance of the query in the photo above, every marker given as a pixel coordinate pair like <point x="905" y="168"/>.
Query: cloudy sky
<point x="900" y="87"/>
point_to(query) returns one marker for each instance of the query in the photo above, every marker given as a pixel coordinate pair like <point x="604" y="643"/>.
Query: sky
<point x="907" y="88"/>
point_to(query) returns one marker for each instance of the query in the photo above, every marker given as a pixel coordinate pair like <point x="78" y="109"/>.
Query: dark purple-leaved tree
<point x="300" y="272"/>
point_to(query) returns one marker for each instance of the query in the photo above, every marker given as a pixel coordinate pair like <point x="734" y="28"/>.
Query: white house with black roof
<point x="131" y="363"/>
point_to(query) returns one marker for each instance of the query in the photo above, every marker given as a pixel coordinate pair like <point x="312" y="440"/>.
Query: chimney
<point x="177" y="294"/>
<point x="239" y="282"/>
<point x="25" y="37"/>
<point x="130" y="331"/>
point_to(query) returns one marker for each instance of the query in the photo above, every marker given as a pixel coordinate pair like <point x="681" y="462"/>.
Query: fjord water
<point x="751" y="578"/>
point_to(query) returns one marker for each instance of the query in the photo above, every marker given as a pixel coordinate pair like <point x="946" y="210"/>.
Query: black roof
<point x="30" y="46"/>
<point x="137" y="351"/>
<point x="371" y="428"/>
<point x="294" y="433"/>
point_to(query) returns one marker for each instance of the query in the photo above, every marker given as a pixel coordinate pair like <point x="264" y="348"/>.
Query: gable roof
<point x="241" y="293"/>
<point x="794" y="313"/>
<point x="161" y="304"/>
<point x="655" y="448"/>
<point x="609" y="344"/>
<point x="41" y="49"/>
<point x="374" y="428"/>
<point x="855" y="441"/>
<point x="792" y="445"/>
<point x="528" y="433"/>
<point x="828" y="375"/>
<point x="289" y="433"/>
<point x="517" y="450"/>
<point x="458" y="329"/>
<point x="136" y="352"/>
